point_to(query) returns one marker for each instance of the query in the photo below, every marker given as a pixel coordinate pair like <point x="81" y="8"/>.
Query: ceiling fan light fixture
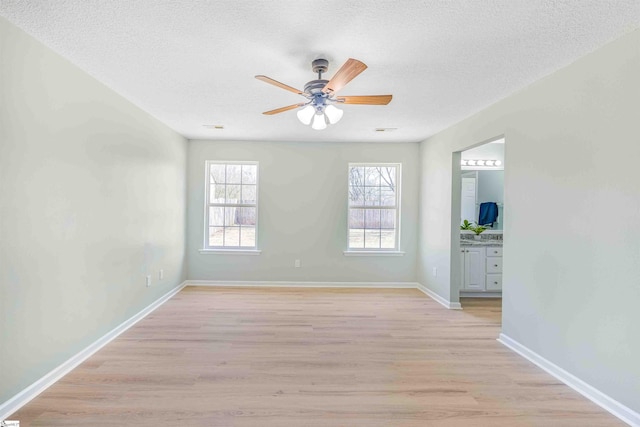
<point x="333" y="114"/>
<point x="306" y="114"/>
<point x="319" y="121"/>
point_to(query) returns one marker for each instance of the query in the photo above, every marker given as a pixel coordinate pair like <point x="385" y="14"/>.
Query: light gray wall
<point x="93" y="198"/>
<point x="302" y="212"/>
<point x="572" y="286"/>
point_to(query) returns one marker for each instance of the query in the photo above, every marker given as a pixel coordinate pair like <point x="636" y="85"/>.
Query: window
<point x="231" y="208"/>
<point x="374" y="195"/>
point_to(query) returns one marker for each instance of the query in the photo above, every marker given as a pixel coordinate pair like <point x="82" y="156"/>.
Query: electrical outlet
<point x="435" y="271"/>
<point x="148" y="281"/>
<point x="161" y="274"/>
<point x="297" y="264"/>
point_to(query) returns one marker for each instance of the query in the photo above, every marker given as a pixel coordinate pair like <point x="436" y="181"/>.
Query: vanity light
<point x="486" y="163"/>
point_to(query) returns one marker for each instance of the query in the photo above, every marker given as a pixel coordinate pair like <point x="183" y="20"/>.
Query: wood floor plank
<point x="280" y="357"/>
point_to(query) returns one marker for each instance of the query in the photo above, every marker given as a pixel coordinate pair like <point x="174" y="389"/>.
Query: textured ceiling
<point x="192" y="62"/>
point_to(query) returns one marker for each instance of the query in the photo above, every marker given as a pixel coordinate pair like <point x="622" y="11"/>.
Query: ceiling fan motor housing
<point x="317" y="97"/>
<point x="315" y="86"/>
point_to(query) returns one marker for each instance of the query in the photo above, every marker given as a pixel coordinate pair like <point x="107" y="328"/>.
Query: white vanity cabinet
<point x="481" y="268"/>
<point x="473" y="268"/>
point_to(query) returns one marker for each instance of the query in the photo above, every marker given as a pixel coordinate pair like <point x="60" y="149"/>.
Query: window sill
<point x="230" y="251"/>
<point x="373" y="253"/>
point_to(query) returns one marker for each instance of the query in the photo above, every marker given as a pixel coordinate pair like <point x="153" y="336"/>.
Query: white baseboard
<point x="472" y="294"/>
<point x="22" y="398"/>
<point x="616" y="408"/>
<point x="445" y="302"/>
<point x="302" y="284"/>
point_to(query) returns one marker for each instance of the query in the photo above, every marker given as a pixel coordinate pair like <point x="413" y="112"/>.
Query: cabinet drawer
<point x="494" y="282"/>
<point x="494" y="265"/>
<point x="494" y="251"/>
<point x="474" y="286"/>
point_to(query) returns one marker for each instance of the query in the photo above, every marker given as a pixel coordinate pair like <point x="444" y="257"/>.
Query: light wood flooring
<point x="281" y="357"/>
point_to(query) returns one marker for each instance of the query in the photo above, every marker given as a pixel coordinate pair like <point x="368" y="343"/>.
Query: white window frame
<point x="242" y="250"/>
<point x="376" y="251"/>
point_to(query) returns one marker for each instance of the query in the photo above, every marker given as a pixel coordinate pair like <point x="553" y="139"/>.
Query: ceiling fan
<point x="319" y="109"/>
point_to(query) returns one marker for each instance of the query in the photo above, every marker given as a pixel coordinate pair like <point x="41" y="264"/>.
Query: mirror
<point x="482" y="190"/>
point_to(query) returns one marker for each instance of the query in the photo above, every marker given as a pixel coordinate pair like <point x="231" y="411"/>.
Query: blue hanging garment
<point x="488" y="213"/>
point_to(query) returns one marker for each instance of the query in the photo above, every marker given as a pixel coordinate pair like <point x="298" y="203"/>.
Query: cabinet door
<point x="462" y="270"/>
<point x="474" y="269"/>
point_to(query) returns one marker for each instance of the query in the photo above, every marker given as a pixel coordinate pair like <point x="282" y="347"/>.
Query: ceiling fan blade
<point x="345" y="74"/>
<point x="280" y="85"/>
<point x="283" y="109"/>
<point x="365" y="100"/>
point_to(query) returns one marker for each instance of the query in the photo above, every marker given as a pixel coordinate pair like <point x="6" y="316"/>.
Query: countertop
<point x="485" y="243"/>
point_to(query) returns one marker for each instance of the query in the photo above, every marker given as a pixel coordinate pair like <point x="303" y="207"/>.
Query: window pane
<point x="216" y="193"/>
<point x="216" y="235"/>
<point x="216" y="174"/>
<point x="388" y="239"/>
<point x="233" y="174"/>
<point x="233" y="194"/>
<point x="230" y="216"/>
<point x="372" y="238"/>
<point x="372" y="196"/>
<point x="216" y="216"/>
<point x="247" y="236"/>
<point x="248" y="194"/>
<point x="246" y="216"/>
<point x="372" y="218"/>
<point x="356" y="176"/>
<point x="388" y="218"/>
<point x="387" y="197"/>
<point x="372" y="176"/>
<point x="356" y="218"/>
<point x="232" y="236"/>
<point x="388" y="177"/>
<point x="356" y="238"/>
<point x="356" y="196"/>
<point x="249" y="174"/>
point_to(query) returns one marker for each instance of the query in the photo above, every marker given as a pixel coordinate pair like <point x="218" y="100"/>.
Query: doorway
<point x="481" y="223"/>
